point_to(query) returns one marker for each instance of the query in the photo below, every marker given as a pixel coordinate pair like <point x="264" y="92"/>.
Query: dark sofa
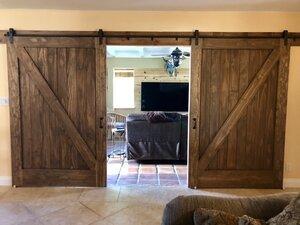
<point x="156" y="140"/>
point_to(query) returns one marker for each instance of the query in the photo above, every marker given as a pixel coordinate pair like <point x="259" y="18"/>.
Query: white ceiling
<point x="156" y="5"/>
<point x="142" y="51"/>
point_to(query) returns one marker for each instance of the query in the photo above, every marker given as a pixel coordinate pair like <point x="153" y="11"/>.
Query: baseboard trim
<point x="5" y="180"/>
<point x="291" y="183"/>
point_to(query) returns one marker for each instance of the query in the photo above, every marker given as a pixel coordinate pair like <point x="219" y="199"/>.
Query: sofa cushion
<point x="160" y="117"/>
<point x="290" y="215"/>
<point x="136" y="117"/>
<point x="157" y="117"/>
<point x="215" y="217"/>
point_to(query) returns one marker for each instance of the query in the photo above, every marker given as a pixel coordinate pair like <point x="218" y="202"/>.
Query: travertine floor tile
<point x="41" y="207"/>
<point x="22" y="194"/>
<point x="144" y="194"/>
<point x="106" y="209"/>
<point x="35" y="221"/>
<point x="148" y="214"/>
<point x="73" y="215"/>
<point x="100" y="194"/>
<point x="102" y="222"/>
<point x="14" y="213"/>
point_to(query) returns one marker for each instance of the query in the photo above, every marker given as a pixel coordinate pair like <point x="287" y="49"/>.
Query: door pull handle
<point x="194" y="123"/>
<point x="101" y="125"/>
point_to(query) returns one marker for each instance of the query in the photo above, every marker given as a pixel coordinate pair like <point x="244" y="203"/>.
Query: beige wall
<point x="159" y="21"/>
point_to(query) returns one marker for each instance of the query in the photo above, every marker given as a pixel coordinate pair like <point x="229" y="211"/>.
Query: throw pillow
<point x="289" y="216"/>
<point x="216" y="217"/>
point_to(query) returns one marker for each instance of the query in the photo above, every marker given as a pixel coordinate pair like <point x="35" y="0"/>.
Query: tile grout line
<point x="139" y="174"/>
<point x="81" y="203"/>
<point x="119" y="174"/>
<point x="36" y="216"/>
<point x="157" y="174"/>
<point x="119" y="194"/>
<point x="175" y="170"/>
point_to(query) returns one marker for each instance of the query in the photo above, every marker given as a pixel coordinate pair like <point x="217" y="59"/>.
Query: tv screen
<point x="165" y="96"/>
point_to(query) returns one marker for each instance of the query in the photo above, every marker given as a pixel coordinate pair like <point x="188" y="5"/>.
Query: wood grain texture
<point x="54" y="42"/>
<point x="234" y="64"/>
<point x="56" y="107"/>
<point x="237" y="179"/>
<point x="194" y="113"/>
<point x="15" y="114"/>
<point x="101" y="168"/>
<point x="240" y="43"/>
<point x="53" y="177"/>
<point x="238" y="109"/>
<point x="58" y="115"/>
<point x="281" y="108"/>
<point x="238" y="112"/>
<point x="148" y="41"/>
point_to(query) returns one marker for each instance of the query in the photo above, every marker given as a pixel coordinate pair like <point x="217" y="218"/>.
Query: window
<point x="123" y="89"/>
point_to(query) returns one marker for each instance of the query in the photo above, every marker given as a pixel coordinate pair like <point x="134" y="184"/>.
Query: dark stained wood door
<point x="238" y="110"/>
<point x="57" y="94"/>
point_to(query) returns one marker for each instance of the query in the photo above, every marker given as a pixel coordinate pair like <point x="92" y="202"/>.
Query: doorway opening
<point x="147" y="115"/>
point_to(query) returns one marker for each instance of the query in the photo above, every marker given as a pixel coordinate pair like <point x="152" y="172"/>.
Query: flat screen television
<point x="163" y="96"/>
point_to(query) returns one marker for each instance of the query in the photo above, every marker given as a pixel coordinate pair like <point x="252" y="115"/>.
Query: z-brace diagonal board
<point x="238" y="110"/>
<point x="56" y="107"/>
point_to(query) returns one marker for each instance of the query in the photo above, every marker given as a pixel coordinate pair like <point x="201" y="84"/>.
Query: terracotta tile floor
<point x="120" y="172"/>
<point x="117" y="205"/>
<point x="123" y="172"/>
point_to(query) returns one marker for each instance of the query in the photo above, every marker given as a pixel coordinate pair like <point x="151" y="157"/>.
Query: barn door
<point x="57" y="102"/>
<point x="238" y="110"/>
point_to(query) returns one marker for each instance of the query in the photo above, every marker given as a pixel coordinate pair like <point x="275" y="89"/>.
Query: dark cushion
<point x="136" y="117"/>
<point x="157" y="117"/>
<point x="216" y="217"/>
<point x="160" y="117"/>
<point x="290" y="215"/>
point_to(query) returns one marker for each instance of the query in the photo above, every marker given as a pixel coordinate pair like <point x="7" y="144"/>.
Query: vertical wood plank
<point x="241" y="125"/>
<point x="261" y="118"/>
<point x="270" y="109"/>
<point x="26" y="117"/>
<point x="233" y="98"/>
<point x="81" y="68"/>
<point x="36" y="107"/>
<point x="15" y="115"/>
<point x="282" y="89"/>
<point x="100" y="57"/>
<point x="47" y="131"/>
<point x="72" y="107"/>
<point x="90" y="120"/>
<point x="205" y="100"/>
<point x="214" y="108"/>
<point x="62" y="93"/>
<point x="55" y="132"/>
<point x="223" y="102"/>
<point x="194" y="115"/>
<point x="250" y="151"/>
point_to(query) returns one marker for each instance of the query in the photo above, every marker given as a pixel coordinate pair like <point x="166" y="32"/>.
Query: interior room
<point x="149" y="112"/>
<point x="147" y="108"/>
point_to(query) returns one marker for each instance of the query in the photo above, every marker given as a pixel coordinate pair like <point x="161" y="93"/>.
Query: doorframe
<point x="137" y="38"/>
